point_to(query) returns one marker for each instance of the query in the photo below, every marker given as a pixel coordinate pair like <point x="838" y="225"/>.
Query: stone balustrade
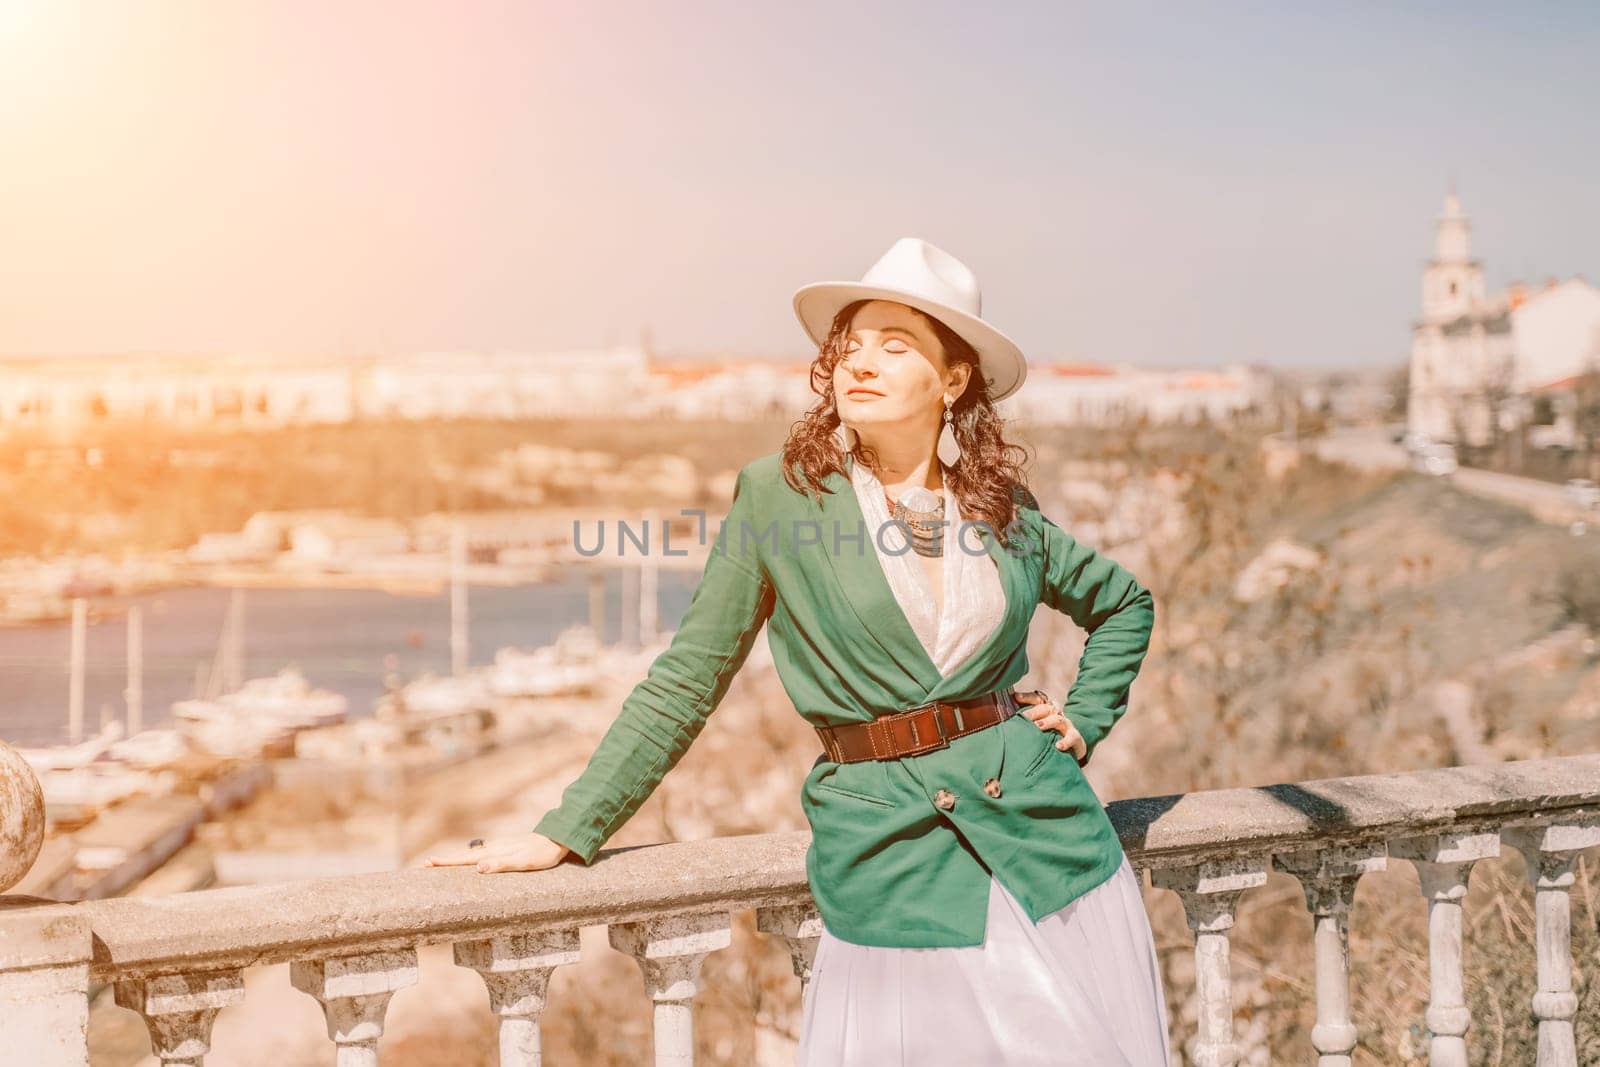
<point x="352" y="941"/>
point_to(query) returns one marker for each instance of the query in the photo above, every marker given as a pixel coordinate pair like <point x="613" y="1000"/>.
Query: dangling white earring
<point x="845" y="438"/>
<point x="949" y="447"/>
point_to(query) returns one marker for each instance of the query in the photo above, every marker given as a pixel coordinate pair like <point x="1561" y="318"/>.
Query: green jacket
<point x="885" y="866"/>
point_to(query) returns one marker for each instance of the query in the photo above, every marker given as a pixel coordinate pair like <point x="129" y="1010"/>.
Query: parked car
<point x="1583" y="493"/>
<point x="1414" y="442"/>
<point x="1434" y="458"/>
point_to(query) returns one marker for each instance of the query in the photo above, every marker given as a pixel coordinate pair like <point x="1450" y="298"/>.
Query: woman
<point x="976" y="901"/>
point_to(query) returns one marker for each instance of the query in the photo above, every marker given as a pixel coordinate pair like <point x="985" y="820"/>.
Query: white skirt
<point x="1081" y="987"/>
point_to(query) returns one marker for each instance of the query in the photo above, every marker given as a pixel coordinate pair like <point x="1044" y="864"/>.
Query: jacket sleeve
<point x="1106" y="600"/>
<point x="665" y="712"/>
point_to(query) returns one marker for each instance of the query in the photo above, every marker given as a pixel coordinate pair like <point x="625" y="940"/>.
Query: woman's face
<point x="893" y="370"/>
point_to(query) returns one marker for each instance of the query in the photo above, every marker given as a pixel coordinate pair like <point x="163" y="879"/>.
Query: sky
<point x="1163" y="185"/>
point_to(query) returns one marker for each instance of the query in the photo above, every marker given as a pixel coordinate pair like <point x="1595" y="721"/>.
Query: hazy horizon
<point x="1142" y="187"/>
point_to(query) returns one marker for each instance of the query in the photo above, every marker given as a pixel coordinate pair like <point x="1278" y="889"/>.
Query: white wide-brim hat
<point x="920" y="275"/>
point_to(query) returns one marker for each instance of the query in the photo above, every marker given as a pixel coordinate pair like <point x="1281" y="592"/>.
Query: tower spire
<point x="1453" y="280"/>
<point x="1452" y="236"/>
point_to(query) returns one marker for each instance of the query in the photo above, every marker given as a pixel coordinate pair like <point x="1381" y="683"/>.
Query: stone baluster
<point x="669" y="951"/>
<point x="178" y="1010"/>
<point x="354" y="992"/>
<point x="1329" y="878"/>
<point x="1551" y="852"/>
<point x="1444" y="863"/>
<point x="516" y="970"/>
<point x="800" y="926"/>
<point x="1210" y="893"/>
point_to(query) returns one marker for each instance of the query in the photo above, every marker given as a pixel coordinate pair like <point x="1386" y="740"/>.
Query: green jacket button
<point x="992" y="787"/>
<point x="944" y="800"/>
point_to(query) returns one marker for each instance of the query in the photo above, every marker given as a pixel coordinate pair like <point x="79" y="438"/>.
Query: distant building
<point x="503" y="385"/>
<point x="1555" y="332"/>
<point x="263" y="391"/>
<point x="1475" y="354"/>
<point x="732" y="389"/>
<point x="347" y="538"/>
<point x="623" y="382"/>
<point x="175" y="389"/>
<point x="1098" y="395"/>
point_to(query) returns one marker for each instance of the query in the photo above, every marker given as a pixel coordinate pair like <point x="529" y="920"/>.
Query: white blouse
<point x="974" y="602"/>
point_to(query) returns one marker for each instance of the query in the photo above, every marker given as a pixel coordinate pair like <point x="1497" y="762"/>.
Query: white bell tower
<point x="1452" y="283"/>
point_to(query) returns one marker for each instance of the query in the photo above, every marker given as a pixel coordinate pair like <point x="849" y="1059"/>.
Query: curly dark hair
<point x="987" y="481"/>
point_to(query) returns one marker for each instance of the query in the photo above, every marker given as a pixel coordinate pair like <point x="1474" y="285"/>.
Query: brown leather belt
<point x="922" y="729"/>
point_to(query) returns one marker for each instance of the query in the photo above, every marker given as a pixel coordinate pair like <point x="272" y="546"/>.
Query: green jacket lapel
<point x="861" y="579"/>
<point x="860" y="575"/>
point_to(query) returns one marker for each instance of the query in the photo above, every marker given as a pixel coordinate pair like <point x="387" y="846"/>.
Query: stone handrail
<point x="351" y="941"/>
<point x="255" y="924"/>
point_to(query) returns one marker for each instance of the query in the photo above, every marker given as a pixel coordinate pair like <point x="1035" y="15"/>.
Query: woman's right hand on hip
<point x="530" y="852"/>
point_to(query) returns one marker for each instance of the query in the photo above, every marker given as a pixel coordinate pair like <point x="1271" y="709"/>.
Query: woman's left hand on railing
<point x="530" y="852"/>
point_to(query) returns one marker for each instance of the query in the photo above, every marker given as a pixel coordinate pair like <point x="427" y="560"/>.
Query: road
<point x="1369" y="447"/>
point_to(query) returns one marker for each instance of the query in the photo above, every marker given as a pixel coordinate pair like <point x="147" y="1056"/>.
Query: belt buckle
<point x="943" y="740"/>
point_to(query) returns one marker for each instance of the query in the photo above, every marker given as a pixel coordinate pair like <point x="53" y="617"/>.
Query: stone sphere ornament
<point x="21" y="817"/>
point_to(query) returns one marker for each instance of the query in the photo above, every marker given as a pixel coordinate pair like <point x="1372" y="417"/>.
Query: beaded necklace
<point x="926" y="526"/>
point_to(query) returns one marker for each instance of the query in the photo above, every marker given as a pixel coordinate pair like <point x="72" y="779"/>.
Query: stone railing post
<point x="1551" y="852"/>
<point x="516" y="970"/>
<point x="354" y="992"/>
<point x="1329" y="878"/>
<point x="800" y="926"/>
<point x="178" y="1010"/>
<point x="44" y="985"/>
<point x="1444" y="863"/>
<point x="21" y="817"/>
<point x="1210" y="893"/>
<point x="669" y="951"/>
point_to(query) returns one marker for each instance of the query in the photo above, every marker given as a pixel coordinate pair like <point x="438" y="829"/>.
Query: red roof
<point x="1076" y="370"/>
<point x="1569" y="382"/>
<point x="680" y="373"/>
